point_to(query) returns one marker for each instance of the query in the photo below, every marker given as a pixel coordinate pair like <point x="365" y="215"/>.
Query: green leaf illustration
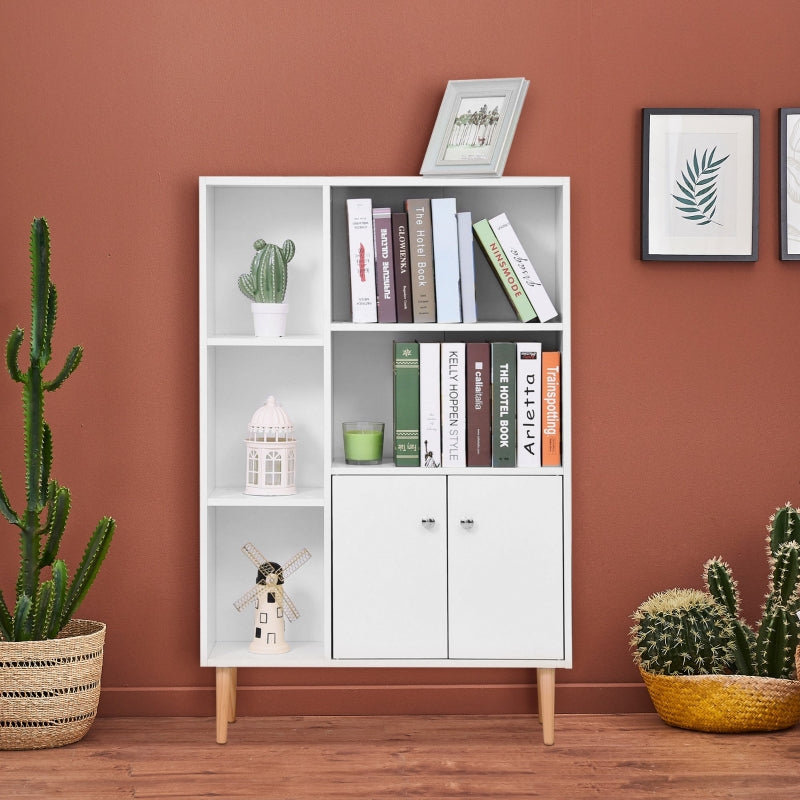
<point x="697" y="185"/>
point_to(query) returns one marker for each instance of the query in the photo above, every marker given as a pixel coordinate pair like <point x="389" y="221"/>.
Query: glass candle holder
<point x="363" y="442"/>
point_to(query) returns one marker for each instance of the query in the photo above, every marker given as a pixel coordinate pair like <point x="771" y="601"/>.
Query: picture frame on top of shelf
<point x="700" y="184"/>
<point x="790" y="183"/>
<point x="475" y="126"/>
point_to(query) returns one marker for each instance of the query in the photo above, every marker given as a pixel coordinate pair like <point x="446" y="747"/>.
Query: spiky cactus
<point x="44" y="603"/>
<point x="768" y="651"/>
<point x="266" y="281"/>
<point x="682" y="632"/>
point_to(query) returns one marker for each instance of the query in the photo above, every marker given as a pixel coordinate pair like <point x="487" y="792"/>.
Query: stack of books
<point x="476" y="404"/>
<point x="418" y="264"/>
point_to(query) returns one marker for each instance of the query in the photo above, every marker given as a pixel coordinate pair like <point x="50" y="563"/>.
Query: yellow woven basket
<point x="725" y="703"/>
<point x="49" y="690"/>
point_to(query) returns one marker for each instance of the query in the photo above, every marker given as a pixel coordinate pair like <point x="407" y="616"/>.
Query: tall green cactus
<point x="44" y="605"/>
<point x="266" y="281"/>
<point x="770" y="650"/>
<point x="682" y="632"/>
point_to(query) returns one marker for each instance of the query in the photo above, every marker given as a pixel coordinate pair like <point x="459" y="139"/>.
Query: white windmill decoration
<point x="272" y="602"/>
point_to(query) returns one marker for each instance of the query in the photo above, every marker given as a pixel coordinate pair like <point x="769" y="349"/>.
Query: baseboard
<point x="583" y="698"/>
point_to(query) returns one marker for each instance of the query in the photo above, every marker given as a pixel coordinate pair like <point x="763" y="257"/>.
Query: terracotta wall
<point x="686" y="385"/>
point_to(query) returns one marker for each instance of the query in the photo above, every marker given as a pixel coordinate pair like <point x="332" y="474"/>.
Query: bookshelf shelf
<point x="327" y="370"/>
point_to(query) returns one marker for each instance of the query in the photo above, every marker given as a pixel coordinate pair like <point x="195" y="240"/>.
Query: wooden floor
<point x="350" y="758"/>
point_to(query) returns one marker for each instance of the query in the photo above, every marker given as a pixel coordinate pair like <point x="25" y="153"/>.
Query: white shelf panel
<point x="265" y="341"/>
<point x="235" y="496"/>
<point x="440" y="327"/>
<point x="388" y="468"/>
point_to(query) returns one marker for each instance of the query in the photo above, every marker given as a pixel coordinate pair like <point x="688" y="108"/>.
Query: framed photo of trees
<point x="475" y="126"/>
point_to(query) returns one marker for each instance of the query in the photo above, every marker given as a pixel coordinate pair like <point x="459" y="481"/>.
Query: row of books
<point x="418" y="264"/>
<point x="476" y="404"/>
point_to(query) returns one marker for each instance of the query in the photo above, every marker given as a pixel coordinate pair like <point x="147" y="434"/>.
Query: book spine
<point x="384" y="266"/>
<point x="363" y="299"/>
<point x="402" y="275"/>
<point x="523" y="266"/>
<point x="479" y="404"/>
<point x="445" y="257"/>
<point x="466" y="258"/>
<point x="529" y="404"/>
<point x="454" y="405"/>
<point x="430" y="411"/>
<point x="420" y="248"/>
<point x="551" y="409"/>
<point x="406" y="404"/>
<point x="503" y="270"/>
<point x="504" y="431"/>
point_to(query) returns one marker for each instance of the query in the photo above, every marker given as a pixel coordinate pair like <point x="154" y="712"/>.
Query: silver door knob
<point x="467" y="524"/>
<point x="428" y="523"/>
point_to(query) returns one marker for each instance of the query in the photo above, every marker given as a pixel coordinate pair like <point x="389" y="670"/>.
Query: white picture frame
<point x="475" y="126"/>
<point x="790" y="183"/>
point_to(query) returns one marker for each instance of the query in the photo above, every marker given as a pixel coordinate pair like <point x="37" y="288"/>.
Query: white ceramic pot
<point x="269" y="319"/>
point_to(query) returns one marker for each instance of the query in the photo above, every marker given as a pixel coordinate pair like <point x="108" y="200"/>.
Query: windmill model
<point x="272" y="602"/>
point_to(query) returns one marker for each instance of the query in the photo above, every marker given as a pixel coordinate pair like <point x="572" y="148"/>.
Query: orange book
<point x="551" y="409"/>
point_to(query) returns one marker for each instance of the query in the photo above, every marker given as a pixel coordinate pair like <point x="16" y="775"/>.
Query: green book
<point x="406" y="404"/>
<point x="503" y="270"/>
<point x="504" y="404"/>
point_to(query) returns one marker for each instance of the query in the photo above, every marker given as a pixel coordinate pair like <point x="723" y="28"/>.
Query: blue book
<point x="447" y="273"/>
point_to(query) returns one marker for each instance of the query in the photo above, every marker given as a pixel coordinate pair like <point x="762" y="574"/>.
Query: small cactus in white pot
<point x="265" y="285"/>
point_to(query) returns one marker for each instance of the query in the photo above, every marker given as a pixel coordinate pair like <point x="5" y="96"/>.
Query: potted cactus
<point x="265" y="285"/>
<point x="704" y="666"/>
<point x="50" y="663"/>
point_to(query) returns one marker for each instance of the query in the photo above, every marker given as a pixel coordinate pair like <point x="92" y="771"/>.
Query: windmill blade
<point x="295" y="562"/>
<point x="247" y="598"/>
<point x="252" y="553"/>
<point x="289" y="608"/>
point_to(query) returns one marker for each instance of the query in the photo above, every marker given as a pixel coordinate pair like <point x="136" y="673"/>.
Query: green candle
<point x="363" y="443"/>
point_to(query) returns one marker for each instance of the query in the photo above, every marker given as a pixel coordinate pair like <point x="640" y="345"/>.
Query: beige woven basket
<point x="725" y="703"/>
<point x="49" y="690"/>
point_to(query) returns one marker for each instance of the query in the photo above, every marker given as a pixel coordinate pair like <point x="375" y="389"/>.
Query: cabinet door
<point x="505" y="570"/>
<point x="389" y="568"/>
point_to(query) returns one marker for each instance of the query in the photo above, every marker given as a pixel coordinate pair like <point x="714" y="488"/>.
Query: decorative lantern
<point x="271" y="451"/>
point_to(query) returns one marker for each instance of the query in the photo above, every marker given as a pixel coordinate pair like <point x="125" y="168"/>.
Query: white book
<point x="454" y="404"/>
<point x="529" y="404"/>
<point x="466" y="259"/>
<point x="363" y="300"/>
<point x="447" y="270"/>
<point x="523" y="267"/>
<point x="430" y="400"/>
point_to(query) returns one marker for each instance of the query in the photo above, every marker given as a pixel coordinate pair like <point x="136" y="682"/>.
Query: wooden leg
<point x="226" y="701"/>
<point x="546" y="691"/>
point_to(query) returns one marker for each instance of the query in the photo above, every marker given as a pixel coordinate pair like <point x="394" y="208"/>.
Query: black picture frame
<point x="700" y="172"/>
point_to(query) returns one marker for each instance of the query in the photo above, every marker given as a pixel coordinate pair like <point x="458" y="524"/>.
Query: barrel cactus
<point x="266" y="281"/>
<point x="768" y="650"/>
<point x="682" y="632"/>
<point x="46" y="598"/>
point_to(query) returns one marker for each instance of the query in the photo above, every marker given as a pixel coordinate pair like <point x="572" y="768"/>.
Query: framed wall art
<point x="790" y="184"/>
<point x="700" y="184"/>
<point x="476" y="123"/>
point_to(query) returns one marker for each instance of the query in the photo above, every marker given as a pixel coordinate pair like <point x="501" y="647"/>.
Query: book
<point x="529" y="404"/>
<point x="454" y="405"/>
<point x="503" y="270"/>
<point x="445" y="258"/>
<point x="384" y="264"/>
<point x="406" y="404"/>
<point x="551" y="409"/>
<point x="402" y="276"/>
<point x="420" y="259"/>
<point x="523" y="267"/>
<point x="363" y="300"/>
<point x="504" y="401"/>
<point x="479" y="404"/>
<point x="466" y="258"/>
<point x="430" y="404"/>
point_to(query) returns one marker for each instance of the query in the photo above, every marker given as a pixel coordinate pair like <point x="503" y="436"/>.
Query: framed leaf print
<point x="790" y="184"/>
<point x="700" y="184"/>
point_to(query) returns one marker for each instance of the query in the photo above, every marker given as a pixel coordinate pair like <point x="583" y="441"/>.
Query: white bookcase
<point x="486" y="581"/>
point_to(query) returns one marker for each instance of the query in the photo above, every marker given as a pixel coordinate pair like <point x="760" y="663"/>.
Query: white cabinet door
<point x="505" y="569"/>
<point x="389" y="567"/>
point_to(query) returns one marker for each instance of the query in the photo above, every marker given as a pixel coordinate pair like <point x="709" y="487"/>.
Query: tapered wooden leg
<point x="226" y="701"/>
<point x="546" y="691"/>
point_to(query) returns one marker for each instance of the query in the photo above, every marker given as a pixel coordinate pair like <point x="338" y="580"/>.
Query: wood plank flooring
<point x="372" y="758"/>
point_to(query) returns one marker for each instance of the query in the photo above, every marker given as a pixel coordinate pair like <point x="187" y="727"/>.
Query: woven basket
<point x="49" y="690"/>
<point x="725" y="703"/>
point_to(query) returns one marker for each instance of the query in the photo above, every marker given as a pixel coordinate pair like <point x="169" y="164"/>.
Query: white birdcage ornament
<point x="271" y="451"/>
